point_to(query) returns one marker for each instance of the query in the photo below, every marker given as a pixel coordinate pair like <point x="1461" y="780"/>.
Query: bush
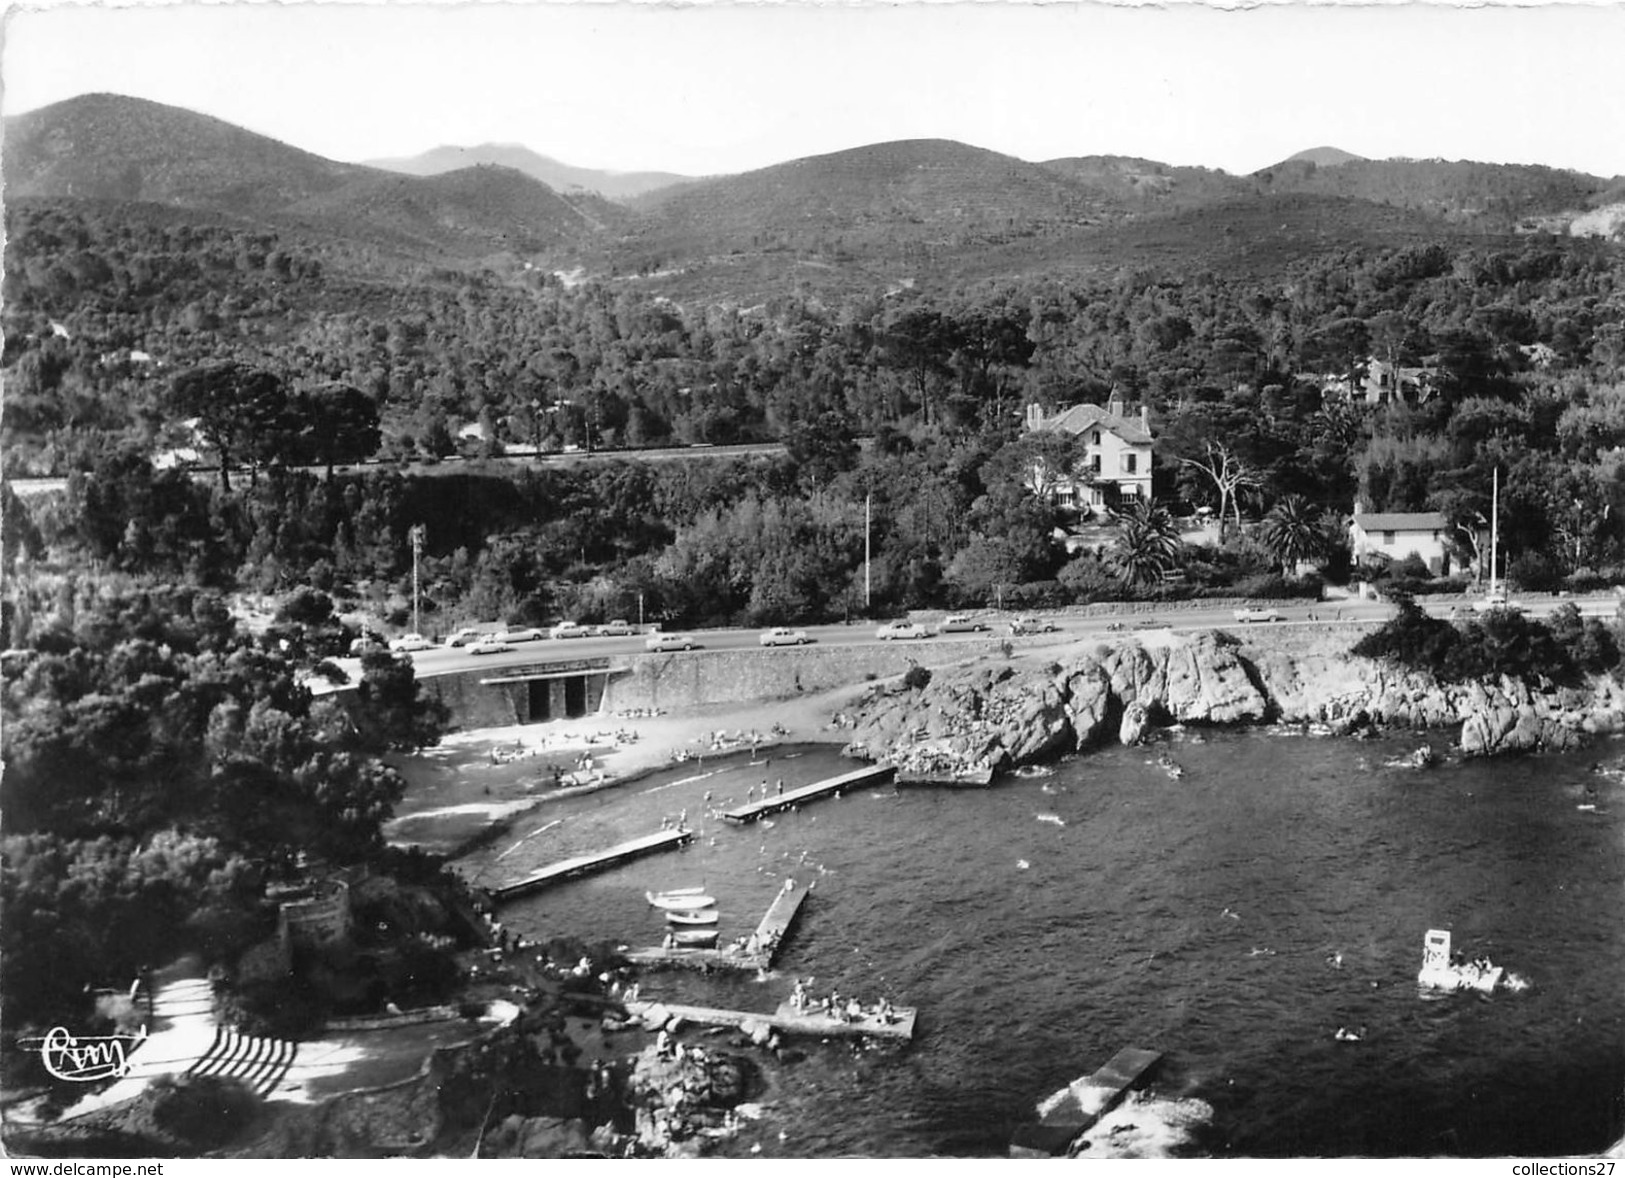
<point x="206" y="1111"/>
<point x="916" y="677"/>
<point x="331" y="671"/>
<point x="1501" y="642"/>
<point x="306" y="607"/>
<point x="1534" y="573"/>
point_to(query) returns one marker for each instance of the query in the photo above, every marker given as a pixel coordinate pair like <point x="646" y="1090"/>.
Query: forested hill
<point x="869" y="219"/>
<point x="557" y="175"/>
<point x="1494" y="196"/>
<point x="109" y="147"/>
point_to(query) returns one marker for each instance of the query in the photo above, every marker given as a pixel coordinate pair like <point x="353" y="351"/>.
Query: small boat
<point x="707" y="916"/>
<point x="699" y="891"/>
<point x="1440" y="972"/>
<point x="695" y="938"/>
<point x="671" y="903"/>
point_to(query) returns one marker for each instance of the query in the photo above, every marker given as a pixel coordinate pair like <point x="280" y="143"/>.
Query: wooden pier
<point x="807" y="793"/>
<point x="759" y="950"/>
<point x="787" y="1020"/>
<point x="1072" y="1111"/>
<point x="582" y="864"/>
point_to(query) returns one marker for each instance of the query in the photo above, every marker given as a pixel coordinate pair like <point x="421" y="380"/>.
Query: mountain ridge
<point x="555" y="173"/>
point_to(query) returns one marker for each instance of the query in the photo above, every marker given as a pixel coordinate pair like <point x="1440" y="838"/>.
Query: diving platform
<point x="789" y="1021"/>
<point x="758" y="951"/>
<point x="807" y="793"/>
<point x="584" y="864"/>
<point x="1072" y="1111"/>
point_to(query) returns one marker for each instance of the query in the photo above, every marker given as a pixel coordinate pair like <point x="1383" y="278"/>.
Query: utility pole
<point x="640" y="611"/>
<point x="416" y="553"/>
<point x="866" y="522"/>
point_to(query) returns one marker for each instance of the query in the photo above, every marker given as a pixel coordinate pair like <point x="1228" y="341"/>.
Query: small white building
<point x="1395" y="535"/>
<point x="1117" y="452"/>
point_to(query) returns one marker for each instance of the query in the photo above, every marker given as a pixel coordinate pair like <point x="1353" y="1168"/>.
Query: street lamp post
<point x="640" y="611"/>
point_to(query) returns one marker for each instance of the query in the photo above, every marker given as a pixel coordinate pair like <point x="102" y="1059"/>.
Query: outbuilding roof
<point x="1401" y="521"/>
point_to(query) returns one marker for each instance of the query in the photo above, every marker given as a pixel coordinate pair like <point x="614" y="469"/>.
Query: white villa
<point x="1395" y="535"/>
<point x="1117" y="452"/>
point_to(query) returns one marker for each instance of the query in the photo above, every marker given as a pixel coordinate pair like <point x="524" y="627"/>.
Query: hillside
<point x="1324" y="157"/>
<point x="109" y="147"/>
<point x="876" y="207"/>
<point x="1135" y="185"/>
<point x="1498" y="195"/>
<point x="559" y="176"/>
<point x="473" y="210"/>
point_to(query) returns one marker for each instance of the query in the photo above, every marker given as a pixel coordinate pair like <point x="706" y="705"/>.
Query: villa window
<point x="1097" y="437"/>
<point x="1128" y="463"/>
<point x="1388" y="538"/>
<point x="1094" y="463"/>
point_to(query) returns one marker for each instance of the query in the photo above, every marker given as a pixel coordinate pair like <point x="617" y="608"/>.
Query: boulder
<point x="1136" y="719"/>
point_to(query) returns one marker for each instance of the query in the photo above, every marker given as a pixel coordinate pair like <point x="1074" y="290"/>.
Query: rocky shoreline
<point x="1004" y="714"/>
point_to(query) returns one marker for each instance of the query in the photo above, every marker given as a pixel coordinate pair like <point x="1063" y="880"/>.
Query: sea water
<point x="1233" y="917"/>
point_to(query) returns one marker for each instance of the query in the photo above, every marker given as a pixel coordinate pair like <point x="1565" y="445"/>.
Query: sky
<point x="716" y="88"/>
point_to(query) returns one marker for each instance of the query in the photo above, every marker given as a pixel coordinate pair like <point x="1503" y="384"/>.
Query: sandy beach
<point x="478" y="779"/>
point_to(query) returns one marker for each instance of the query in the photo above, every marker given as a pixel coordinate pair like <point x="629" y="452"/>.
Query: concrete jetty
<point x="787" y="1019"/>
<point x="1069" y="1113"/>
<point x="757" y="953"/>
<point x="583" y="864"/>
<point x="807" y="793"/>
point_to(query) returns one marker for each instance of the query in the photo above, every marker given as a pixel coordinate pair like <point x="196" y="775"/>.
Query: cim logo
<point x="87" y="1059"/>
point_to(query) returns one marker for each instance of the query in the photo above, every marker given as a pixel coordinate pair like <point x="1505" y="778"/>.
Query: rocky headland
<point x="1001" y="713"/>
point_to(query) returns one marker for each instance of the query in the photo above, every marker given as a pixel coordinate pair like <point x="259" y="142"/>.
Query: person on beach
<point x="781" y="787"/>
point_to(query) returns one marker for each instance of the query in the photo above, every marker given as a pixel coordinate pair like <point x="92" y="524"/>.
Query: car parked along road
<point x="893" y="631"/>
<point x="784" y="636"/>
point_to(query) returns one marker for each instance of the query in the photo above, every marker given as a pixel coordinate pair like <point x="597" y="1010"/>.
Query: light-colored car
<point x="1032" y="625"/>
<point x="490" y="644"/>
<point x="784" y="636"/>
<point x="1497" y="600"/>
<point x="893" y="631"/>
<point x="1258" y="613"/>
<point x="670" y="642"/>
<point x="527" y="634"/>
<point x="570" y="630"/>
<point x="961" y="624"/>
<point x="465" y="636"/>
<point x="619" y="628"/>
<point x="410" y="643"/>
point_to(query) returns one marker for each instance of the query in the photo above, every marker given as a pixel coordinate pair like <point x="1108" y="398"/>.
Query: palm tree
<point x="1293" y="531"/>
<point x="1148" y="544"/>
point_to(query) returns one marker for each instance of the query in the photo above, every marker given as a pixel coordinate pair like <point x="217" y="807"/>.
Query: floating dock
<point x="1069" y="1113"/>
<point x="807" y="793"/>
<point x="758" y="952"/>
<point x="788" y="1020"/>
<point x="583" y="864"/>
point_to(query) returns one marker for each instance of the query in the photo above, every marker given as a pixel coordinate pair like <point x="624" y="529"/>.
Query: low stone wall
<point x="734" y="676"/>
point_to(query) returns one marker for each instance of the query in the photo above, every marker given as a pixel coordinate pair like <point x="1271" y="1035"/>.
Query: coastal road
<point x="454" y="660"/>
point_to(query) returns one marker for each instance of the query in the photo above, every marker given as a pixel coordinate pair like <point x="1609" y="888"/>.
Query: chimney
<point x="1114" y="404"/>
<point x="1145" y="417"/>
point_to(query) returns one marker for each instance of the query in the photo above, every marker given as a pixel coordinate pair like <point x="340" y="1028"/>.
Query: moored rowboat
<point x="708" y="916"/>
<point x="672" y="903"/>
<point x="695" y="938"/>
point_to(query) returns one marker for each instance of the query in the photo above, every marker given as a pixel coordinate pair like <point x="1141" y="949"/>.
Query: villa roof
<point x="1401" y="521"/>
<point x="1079" y="418"/>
